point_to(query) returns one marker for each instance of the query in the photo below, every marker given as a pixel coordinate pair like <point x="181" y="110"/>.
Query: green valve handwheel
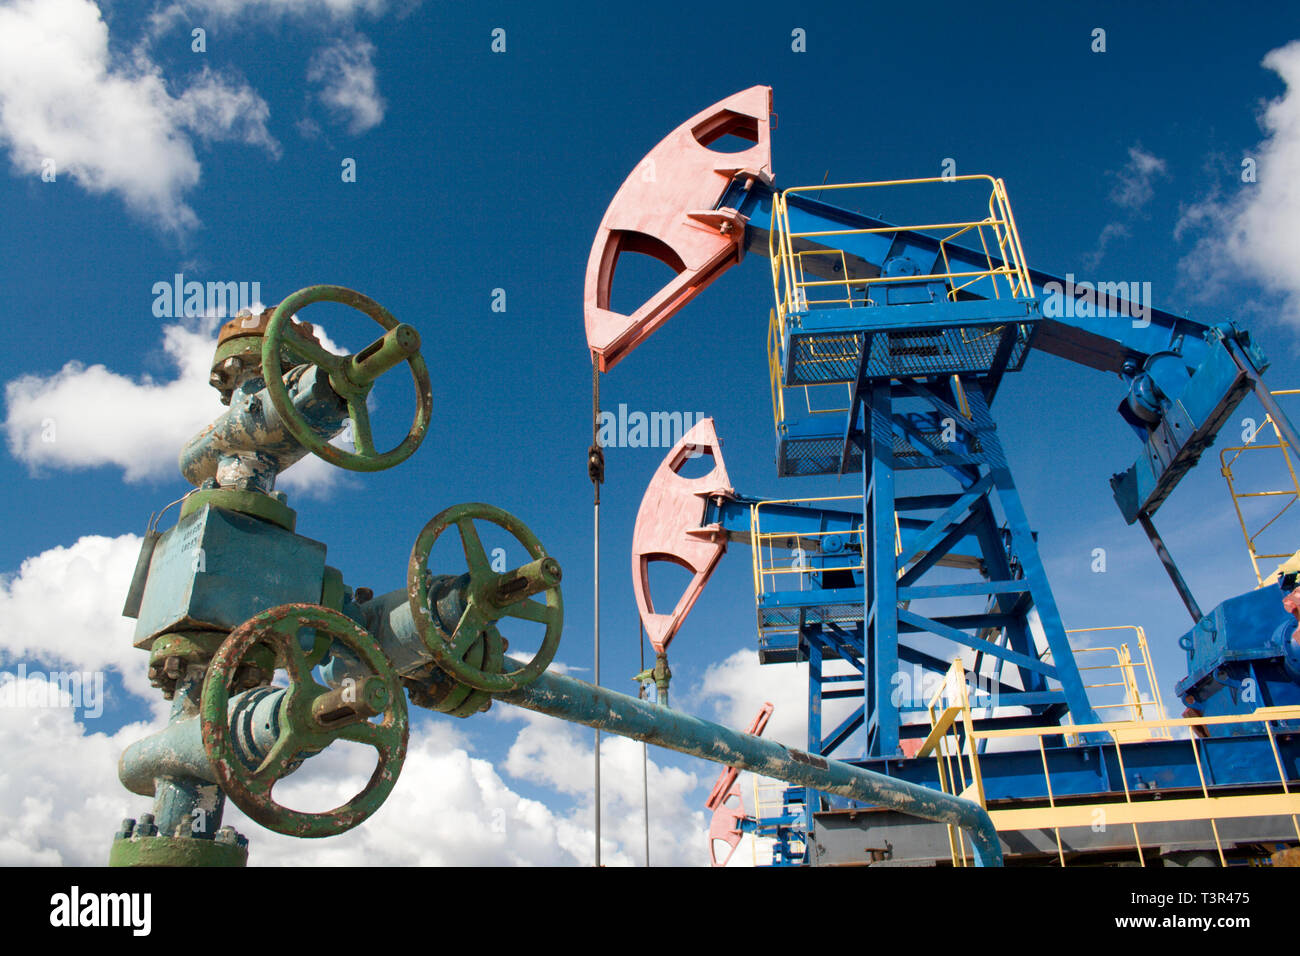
<point x="489" y="597"/>
<point x="311" y="717"/>
<point x="350" y="376"/>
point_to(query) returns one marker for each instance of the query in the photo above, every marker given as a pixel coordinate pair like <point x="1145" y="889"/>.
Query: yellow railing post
<point x="950" y="705"/>
<point x="1229" y="457"/>
<point x="1128" y="670"/>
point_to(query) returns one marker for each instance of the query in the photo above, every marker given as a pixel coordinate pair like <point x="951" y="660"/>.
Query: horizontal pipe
<point x="177" y="751"/>
<point x="612" y="712"/>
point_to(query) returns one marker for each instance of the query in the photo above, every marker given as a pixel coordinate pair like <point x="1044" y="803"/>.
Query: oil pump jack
<point x="906" y="331"/>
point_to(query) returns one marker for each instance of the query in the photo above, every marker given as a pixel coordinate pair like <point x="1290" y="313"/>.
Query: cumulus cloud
<point x="235" y="14"/>
<point x="219" y="108"/>
<point x="349" y="89"/>
<point x="108" y="122"/>
<point x="733" y="690"/>
<point x="1109" y="233"/>
<point x="64" y="607"/>
<point x="561" y="755"/>
<point x="1135" y="183"/>
<point x="60" y="799"/>
<point x="87" y="416"/>
<point x="1251" y="232"/>
<point x="1133" y="188"/>
<point x="448" y="808"/>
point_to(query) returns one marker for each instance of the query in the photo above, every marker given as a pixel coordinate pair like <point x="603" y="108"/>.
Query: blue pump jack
<point x="917" y="325"/>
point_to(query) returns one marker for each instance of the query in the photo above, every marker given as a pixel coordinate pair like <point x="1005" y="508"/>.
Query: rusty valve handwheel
<point x="349" y="375"/>
<point x="489" y="597"/>
<point x="310" y="717"/>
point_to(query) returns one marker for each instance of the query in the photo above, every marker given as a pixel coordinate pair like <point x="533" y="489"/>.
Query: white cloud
<point x="1252" y="233"/>
<point x="447" y="809"/>
<point x="60" y="799"/>
<point x="735" y="688"/>
<point x="109" y="122"/>
<point x="1136" y="181"/>
<point x="1110" y="232"/>
<point x="235" y="14"/>
<point x="89" y="416"/>
<point x="1133" y="189"/>
<point x="560" y="755"/>
<point x="220" y="108"/>
<point x="64" y="607"/>
<point x="341" y="9"/>
<point x="345" y="73"/>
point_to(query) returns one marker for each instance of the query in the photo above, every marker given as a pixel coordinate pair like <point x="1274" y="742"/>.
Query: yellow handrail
<point x="958" y="759"/>
<point x="1004" y="271"/>
<point x="1229" y="457"/>
<point x="766" y="570"/>
<point x="1128" y="669"/>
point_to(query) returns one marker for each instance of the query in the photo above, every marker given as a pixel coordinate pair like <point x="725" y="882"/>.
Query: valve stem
<point x="351" y="703"/>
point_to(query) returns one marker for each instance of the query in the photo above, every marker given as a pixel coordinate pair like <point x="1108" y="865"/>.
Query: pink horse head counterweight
<point x="728" y="803"/>
<point x="665" y="209"/>
<point x="668" y="528"/>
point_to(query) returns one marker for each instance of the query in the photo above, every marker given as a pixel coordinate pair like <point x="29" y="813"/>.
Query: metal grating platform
<point x="824" y="358"/>
<point x="791" y="617"/>
<point x="832" y="357"/>
<point x="820" y="454"/>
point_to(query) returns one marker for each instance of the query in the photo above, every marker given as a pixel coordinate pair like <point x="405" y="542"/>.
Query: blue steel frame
<point x="1203" y="372"/>
<point x="1014" y="580"/>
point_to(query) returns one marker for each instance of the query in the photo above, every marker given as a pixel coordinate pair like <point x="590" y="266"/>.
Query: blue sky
<point x="478" y="171"/>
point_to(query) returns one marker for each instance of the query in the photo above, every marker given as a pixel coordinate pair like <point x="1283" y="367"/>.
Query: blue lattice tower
<point x="909" y="329"/>
<point x="920" y="334"/>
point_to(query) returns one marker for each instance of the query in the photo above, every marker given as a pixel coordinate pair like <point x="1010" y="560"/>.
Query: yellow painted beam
<point x="1261" y="714"/>
<point x="1148" y="811"/>
<point x="939" y="730"/>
